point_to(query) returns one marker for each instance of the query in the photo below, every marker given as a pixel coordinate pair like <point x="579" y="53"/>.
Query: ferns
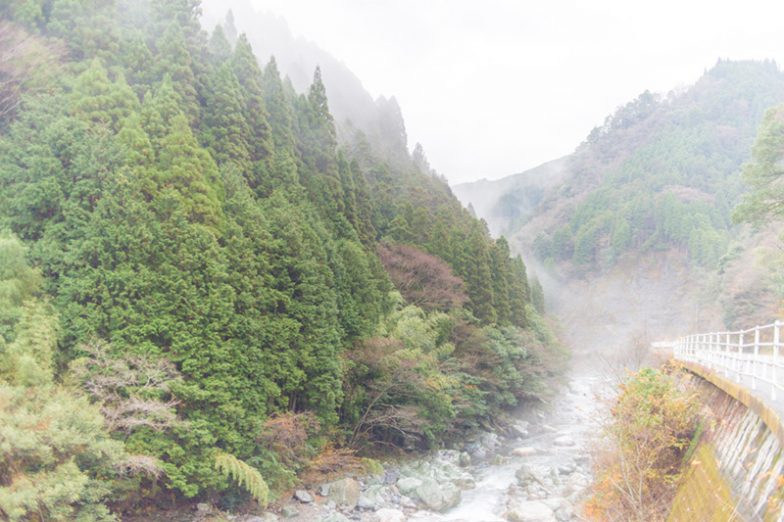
<point x="246" y="476"/>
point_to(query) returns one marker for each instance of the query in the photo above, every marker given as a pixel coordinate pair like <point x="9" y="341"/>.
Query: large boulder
<point x="374" y="497"/>
<point x="303" y="496"/>
<point x="438" y="497"/>
<point x="408" y="485"/>
<point x="345" y="493"/>
<point x="442" y="468"/>
<point x="526" y="475"/>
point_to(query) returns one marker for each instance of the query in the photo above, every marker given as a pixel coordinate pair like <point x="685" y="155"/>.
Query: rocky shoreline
<point x="538" y="472"/>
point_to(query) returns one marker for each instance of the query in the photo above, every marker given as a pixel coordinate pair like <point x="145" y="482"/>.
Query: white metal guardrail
<point x="755" y="354"/>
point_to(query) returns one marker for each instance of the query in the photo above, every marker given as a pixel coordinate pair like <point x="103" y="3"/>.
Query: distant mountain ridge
<point x="513" y="198"/>
<point x="659" y="173"/>
<point x="650" y="192"/>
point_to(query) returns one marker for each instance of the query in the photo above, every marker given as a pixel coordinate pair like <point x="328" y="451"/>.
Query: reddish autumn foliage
<point x="423" y="279"/>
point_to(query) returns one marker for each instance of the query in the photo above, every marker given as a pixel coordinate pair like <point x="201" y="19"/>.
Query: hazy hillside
<point x="649" y="196"/>
<point x="380" y="120"/>
<point x="514" y="199"/>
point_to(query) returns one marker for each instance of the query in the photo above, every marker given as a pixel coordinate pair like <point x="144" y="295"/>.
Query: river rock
<point x="344" y="492"/>
<point x="303" y="496"/>
<point x="388" y="515"/>
<point x="465" y="459"/>
<point x="390" y="476"/>
<point x="407" y="485"/>
<point x="442" y="469"/>
<point x="529" y="511"/>
<point x="520" y="429"/>
<point x="524" y="451"/>
<point x="374" y="497"/>
<point x="564" y="441"/>
<point x="476" y="451"/>
<point x="407" y="502"/>
<point x="525" y="476"/>
<point x="489" y="440"/>
<point x="289" y="511"/>
<point x="567" y="468"/>
<point x="438" y="497"/>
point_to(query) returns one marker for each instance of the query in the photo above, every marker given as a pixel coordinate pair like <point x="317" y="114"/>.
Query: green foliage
<point x="537" y="295"/>
<point x="54" y="456"/>
<point x="763" y="173"/>
<point x="246" y="476"/>
<point x="210" y="249"/>
<point x="427" y="376"/>
<point x="56" y="459"/>
<point x="398" y="394"/>
<point x="18" y="283"/>
<point x="662" y="173"/>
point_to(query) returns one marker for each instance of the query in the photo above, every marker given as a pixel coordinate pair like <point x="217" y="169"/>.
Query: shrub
<point x="652" y="425"/>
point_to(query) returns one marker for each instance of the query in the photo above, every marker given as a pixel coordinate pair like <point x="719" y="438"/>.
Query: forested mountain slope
<point x="221" y="289"/>
<point x="658" y="181"/>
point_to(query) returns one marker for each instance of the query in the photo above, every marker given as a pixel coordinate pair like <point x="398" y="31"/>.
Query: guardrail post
<point x="708" y="350"/>
<point x="774" y="367"/>
<point x="755" y="358"/>
<point x="739" y="366"/>
<point x="727" y="359"/>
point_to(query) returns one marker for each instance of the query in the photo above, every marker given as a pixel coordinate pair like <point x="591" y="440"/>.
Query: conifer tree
<point x="159" y="108"/>
<point x="101" y="101"/>
<point x="174" y="61"/>
<point x="218" y="47"/>
<point x="188" y="173"/>
<point x="224" y="128"/>
<point x="502" y="281"/>
<point x="248" y="73"/>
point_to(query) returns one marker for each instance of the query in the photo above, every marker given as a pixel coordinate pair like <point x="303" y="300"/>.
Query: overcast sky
<point x="492" y="87"/>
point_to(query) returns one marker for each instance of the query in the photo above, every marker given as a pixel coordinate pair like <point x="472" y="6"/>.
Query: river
<point x="555" y="456"/>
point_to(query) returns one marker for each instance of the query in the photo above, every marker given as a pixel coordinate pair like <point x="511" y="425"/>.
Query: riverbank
<point x="537" y="471"/>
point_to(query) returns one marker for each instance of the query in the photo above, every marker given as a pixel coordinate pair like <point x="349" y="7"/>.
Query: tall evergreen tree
<point x="224" y="128"/>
